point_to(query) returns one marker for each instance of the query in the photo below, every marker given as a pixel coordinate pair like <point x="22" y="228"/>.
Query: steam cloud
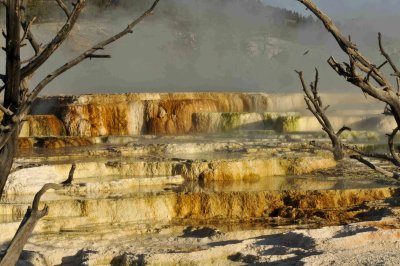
<point x="208" y="45"/>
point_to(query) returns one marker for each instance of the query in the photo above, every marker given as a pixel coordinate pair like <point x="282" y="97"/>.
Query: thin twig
<point x="64" y="8"/>
<point x="27" y="29"/>
<point x="5" y="110"/>
<point x="387" y="56"/>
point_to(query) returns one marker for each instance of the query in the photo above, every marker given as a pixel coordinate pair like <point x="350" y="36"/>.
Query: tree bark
<point x="13" y="65"/>
<point x="6" y="160"/>
<point x="12" y="86"/>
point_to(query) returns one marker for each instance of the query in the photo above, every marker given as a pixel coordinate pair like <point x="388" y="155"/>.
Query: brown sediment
<point x="96" y="120"/>
<point x="54" y="143"/>
<point x="247" y="168"/>
<point x="331" y="205"/>
<point x="42" y="125"/>
<point x="178" y="113"/>
<point x="164" y="113"/>
<point x="326" y="207"/>
<point x="27" y="143"/>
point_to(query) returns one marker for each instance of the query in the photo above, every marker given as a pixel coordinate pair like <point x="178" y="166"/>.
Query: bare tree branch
<point x="359" y="60"/>
<point x="5" y="110"/>
<point x="90" y="52"/>
<point x="386" y="55"/>
<point x="64" y="8"/>
<point x="315" y="105"/>
<point x="380" y="156"/>
<point x="52" y="46"/>
<point x="99" y="56"/>
<point x="29" y="35"/>
<point x="27" y="29"/>
<point x="376" y="168"/>
<point x="343" y="129"/>
<point x="392" y="150"/>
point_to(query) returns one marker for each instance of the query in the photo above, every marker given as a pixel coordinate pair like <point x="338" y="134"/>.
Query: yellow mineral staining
<point x="247" y="169"/>
<point x="96" y="120"/>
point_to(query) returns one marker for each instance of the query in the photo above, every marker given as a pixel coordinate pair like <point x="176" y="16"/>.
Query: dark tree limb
<point x="11" y="90"/>
<point x="376" y="168"/>
<point x="28" y="223"/>
<point x="99" y="56"/>
<point x="343" y="129"/>
<point x="392" y="150"/>
<point x="380" y="156"/>
<point x="316" y="107"/>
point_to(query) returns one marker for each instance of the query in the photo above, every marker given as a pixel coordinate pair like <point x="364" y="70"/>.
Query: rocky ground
<point x="283" y="203"/>
<point x="239" y="196"/>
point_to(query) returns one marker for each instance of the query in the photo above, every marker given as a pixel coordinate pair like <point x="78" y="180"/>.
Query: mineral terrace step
<point x="167" y="207"/>
<point x="238" y="167"/>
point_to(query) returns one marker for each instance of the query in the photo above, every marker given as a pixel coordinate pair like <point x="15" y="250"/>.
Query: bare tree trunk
<point x="12" y="86"/>
<point x="18" y="98"/>
<point x="6" y="160"/>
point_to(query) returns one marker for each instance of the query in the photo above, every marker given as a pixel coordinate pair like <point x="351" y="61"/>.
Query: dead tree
<point x="316" y="107"/>
<point x="18" y="96"/>
<point x="367" y="76"/>
<point x="28" y="223"/>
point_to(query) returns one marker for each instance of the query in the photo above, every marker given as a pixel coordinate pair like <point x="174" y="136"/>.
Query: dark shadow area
<point x="224" y="243"/>
<point x="290" y="240"/>
<point x="129" y="259"/>
<point x="294" y="260"/>
<point x="281" y="243"/>
<point x="374" y="214"/>
<point x="79" y="258"/>
<point x="354" y="231"/>
<point x="240" y="257"/>
<point x="200" y="232"/>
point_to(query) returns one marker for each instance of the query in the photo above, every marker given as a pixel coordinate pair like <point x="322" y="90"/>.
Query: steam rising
<point x="190" y="45"/>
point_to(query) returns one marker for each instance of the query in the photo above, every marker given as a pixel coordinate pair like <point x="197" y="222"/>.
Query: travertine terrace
<point x="195" y="178"/>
